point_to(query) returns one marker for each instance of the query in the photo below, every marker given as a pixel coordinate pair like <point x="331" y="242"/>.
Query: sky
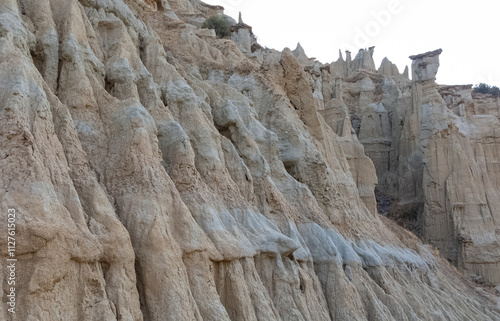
<point x="467" y="31"/>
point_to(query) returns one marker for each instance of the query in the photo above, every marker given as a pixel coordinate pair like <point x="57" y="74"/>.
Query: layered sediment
<point x="161" y="173"/>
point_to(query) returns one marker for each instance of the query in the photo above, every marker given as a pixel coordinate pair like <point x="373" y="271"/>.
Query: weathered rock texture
<point x="160" y="173"/>
<point x="436" y="150"/>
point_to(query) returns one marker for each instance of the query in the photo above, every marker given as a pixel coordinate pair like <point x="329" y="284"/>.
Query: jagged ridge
<point x="162" y="174"/>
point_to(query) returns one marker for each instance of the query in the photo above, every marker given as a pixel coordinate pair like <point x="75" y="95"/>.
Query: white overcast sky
<point x="467" y="31"/>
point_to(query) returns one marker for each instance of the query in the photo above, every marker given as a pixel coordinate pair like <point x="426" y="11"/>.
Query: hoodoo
<point x="160" y="172"/>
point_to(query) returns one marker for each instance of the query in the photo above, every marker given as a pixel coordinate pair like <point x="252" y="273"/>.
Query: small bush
<point x="486" y="89"/>
<point x="482" y="88"/>
<point x="495" y="91"/>
<point x="220" y="26"/>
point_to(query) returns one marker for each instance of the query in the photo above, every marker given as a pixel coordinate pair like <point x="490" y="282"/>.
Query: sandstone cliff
<point x="160" y="173"/>
<point x="435" y="149"/>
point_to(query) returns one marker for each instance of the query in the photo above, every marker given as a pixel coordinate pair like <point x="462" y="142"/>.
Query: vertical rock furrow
<point x="160" y="173"/>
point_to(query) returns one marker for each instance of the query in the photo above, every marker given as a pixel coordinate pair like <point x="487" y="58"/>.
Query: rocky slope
<point x="436" y="150"/>
<point x="160" y="173"/>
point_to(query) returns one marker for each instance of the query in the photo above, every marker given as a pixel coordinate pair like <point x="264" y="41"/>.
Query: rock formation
<point x="434" y="149"/>
<point x="160" y="173"/>
<point x="243" y="36"/>
<point x="425" y="66"/>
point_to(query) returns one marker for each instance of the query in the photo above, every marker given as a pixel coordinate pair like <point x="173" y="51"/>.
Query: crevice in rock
<point x="406" y="215"/>
<point x="291" y="169"/>
<point x="159" y="5"/>
<point x="225" y="131"/>
<point x="109" y="86"/>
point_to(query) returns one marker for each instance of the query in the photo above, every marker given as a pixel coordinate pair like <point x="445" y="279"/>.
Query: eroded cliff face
<point x="160" y="173"/>
<point x="436" y="150"/>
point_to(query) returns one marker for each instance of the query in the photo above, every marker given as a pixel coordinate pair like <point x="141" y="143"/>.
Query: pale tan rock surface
<point x="160" y="173"/>
<point x="435" y="150"/>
